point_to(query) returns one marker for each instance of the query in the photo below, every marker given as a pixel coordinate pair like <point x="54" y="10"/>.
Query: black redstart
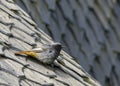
<point x="47" y="53"/>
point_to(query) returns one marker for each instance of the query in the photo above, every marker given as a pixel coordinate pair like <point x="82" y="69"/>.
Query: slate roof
<point x="19" y="32"/>
<point x="92" y="26"/>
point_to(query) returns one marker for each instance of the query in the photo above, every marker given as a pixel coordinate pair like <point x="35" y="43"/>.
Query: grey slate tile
<point x="45" y="14"/>
<point x="89" y="33"/>
<point x="24" y="83"/>
<point x="1" y="51"/>
<point x="55" y="32"/>
<point x="90" y="3"/>
<point x="40" y="68"/>
<point x="66" y="10"/>
<point x="36" y="77"/>
<point x="87" y="50"/>
<point x="60" y="21"/>
<point x="6" y="77"/>
<point x="51" y="4"/>
<point x="3" y="38"/>
<point x="116" y="70"/>
<point x="84" y="6"/>
<point x="112" y="39"/>
<point x="101" y="17"/>
<point x="80" y="18"/>
<point x="4" y="29"/>
<point x="116" y="9"/>
<point x="71" y="41"/>
<point x="66" y="77"/>
<point x="97" y="29"/>
<point x="114" y="23"/>
<point x="19" y="45"/>
<point x="110" y="53"/>
<point x="105" y="63"/>
<point x="11" y="67"/>
<point x="3" y="82"/>
<point x="99" y="72"/>
<point x="20" y="35"/>
<point x="73" y="4"/>
<point x="104" y="6"/>
<point x="8" y="12"/>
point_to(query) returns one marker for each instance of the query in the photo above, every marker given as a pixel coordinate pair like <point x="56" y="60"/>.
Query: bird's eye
<point x="50" y="51"/>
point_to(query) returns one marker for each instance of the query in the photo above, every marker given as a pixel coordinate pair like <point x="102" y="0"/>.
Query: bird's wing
<point x="39" y="50"/>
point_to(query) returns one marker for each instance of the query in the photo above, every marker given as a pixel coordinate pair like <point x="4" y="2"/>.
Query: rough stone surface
<point x="19" y="32"/>
<point x="89" y="29"/>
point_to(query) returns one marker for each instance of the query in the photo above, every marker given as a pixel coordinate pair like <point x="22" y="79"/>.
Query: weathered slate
<point x="18" y="32"/>
<point x="89" y="29"/>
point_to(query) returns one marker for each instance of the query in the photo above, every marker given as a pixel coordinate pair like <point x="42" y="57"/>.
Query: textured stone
<point x="18" y="32"/>
<point x="89" y="30"/>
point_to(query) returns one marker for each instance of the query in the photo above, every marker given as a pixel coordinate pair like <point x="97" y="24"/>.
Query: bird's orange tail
<point x="28" y="53"/>
<point x="22" y="52"/>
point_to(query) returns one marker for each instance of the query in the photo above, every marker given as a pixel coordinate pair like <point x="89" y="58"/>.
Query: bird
<point x="46" y="53"/>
